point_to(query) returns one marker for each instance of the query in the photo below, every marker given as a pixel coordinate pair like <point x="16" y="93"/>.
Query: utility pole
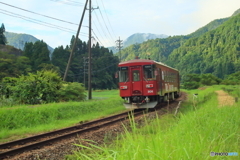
<point x="74" y="44"/>
<point x="89" y="52"/>
<point x="84" y="69"/>
<point x="119" y="47"/>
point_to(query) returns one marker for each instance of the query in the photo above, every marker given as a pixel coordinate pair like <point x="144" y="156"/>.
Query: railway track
<point x="12" y="148"/>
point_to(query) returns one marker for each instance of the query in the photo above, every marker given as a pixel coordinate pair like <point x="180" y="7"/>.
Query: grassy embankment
<point x="200" y="127"/>
<point x="20" y="121"/>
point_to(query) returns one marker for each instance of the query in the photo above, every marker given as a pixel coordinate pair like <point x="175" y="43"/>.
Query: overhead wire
<point x="108" y="18"/>
<point x="100" y="24"/>
<point x="69" y="2"/>
<point x="39" y="22"/>
<point x="59" y="27"/>
<point x="99" y="33"/>
<point x="96" y="71"/>
<point x="105" y="23"/>
<point x="97" y="38"/>
<point x="38" y="14"/>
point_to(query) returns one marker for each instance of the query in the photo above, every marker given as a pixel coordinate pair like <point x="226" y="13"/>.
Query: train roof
<point x="145" y="61"/>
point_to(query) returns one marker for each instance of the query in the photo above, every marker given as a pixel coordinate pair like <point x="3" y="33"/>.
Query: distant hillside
<point x="159" y="48"/>
<point x="210" y="26"/>
<point x="7" y="49"/>
<point x="138" y="38"/>
<point x="216" y="51"/>
<point x="236" y="12"/>
<point x="141" y="37"/>
<point x="18" y="40"/>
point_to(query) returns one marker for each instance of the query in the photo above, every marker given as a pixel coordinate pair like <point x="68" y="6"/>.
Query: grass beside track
<point x="199" y="128"/>
<point x="21" y="121"/>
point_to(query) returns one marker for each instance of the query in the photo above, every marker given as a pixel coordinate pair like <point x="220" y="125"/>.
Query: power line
<point x="97" y="38"/>
<point x="39" y="22"/>
<point x="69" y="2"/>
<point x="108" y="19"/>
<point x="39" y="14"/>
<point x="101" y="25"/>
<point x="96" y="71"/>
<point x="105" y="23"/>
<point x="100" y="33"/>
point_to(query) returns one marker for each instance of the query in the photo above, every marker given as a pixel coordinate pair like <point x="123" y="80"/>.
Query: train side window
<point x="136" y="75"/>
<point x="167" y="76"/>
<point x="123" y="74"/>
<point x="149" y="72"/>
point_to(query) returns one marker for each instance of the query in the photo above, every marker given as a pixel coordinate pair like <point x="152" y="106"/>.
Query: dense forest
<point x="36" y="57"/>
<point x="104" y="64"/>
<point x="216" y="51"/>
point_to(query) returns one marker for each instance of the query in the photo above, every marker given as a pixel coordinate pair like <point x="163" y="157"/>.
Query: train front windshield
<point x="149" y="72"/>
<point x="123" y="74"/>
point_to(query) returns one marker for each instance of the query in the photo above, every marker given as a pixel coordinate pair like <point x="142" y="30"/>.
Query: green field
<point x="21" y="121"/>
<point x="200" y="127"/>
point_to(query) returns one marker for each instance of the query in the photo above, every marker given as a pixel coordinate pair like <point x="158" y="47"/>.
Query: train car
<point x="144" y="83"/>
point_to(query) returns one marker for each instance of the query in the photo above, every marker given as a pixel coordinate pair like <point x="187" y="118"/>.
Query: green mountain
<point x="236" y="12"/>
<point x="138" y="38"/>
<point x="160" y="48"/>
<point x="18" y="40"/>
<point x="216" y="51"/>
<point x="157" y="49"/>
<point x="210" y="26"/>
<point x="141" y="37"/>
<point x="200" y="51"/>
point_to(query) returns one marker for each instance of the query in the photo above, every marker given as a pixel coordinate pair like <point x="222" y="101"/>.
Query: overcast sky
<point x="113" y="19"/>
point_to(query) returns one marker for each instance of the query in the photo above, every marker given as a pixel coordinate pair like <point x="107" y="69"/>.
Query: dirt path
<point x="224" y="99"/>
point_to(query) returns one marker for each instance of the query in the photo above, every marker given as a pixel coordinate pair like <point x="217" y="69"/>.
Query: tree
<point x="38" y="54"/>
<point x="3" y="39"/>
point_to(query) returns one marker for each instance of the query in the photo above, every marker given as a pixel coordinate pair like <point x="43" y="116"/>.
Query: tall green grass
<point x="19" y="120"/>
<point x="200" y="128"/>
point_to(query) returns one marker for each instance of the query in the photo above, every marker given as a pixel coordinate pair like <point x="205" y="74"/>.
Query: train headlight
<point x="149" y="85"/>
<point x="123" y="87"/>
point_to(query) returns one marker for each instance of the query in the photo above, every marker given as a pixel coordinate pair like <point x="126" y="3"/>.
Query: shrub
<point x="72" y="92"/>
<point x="232" y="79"/>
<point x="191" y="85"/>
<point x="33" y="88"/>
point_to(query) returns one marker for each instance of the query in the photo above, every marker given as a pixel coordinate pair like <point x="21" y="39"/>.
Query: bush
<point x="191" y="85"/>
<point x="42" y="87"/>
<point x="193" y="81"/>
<point x="72" y="92"/>
<point x="33" y="88"/>
<point x="232" y="79"/>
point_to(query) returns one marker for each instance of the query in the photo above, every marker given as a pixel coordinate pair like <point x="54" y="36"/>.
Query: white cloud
<point x="209" y="10"/>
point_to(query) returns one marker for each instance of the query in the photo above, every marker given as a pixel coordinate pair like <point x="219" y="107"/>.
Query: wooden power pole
<point x="89" y="53"/>
<point x="119" y="47"/>
<point x="74" y="43"/>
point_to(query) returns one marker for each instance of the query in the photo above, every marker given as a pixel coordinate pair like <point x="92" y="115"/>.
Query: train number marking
<point x="150" y="91"/>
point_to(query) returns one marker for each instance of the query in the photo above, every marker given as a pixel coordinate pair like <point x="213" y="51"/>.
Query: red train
<point x="143" y="83"/>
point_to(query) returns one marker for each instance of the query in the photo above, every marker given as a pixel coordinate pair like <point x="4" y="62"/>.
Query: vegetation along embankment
<point x="20" y="121"/>
<point x="200" y="127"/>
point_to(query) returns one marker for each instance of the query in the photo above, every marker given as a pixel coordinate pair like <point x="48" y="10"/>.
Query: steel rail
<point x="57" y="135"/>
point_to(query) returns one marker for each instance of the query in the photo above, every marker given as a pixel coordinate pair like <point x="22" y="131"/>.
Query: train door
<point x="136" y="78"/>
